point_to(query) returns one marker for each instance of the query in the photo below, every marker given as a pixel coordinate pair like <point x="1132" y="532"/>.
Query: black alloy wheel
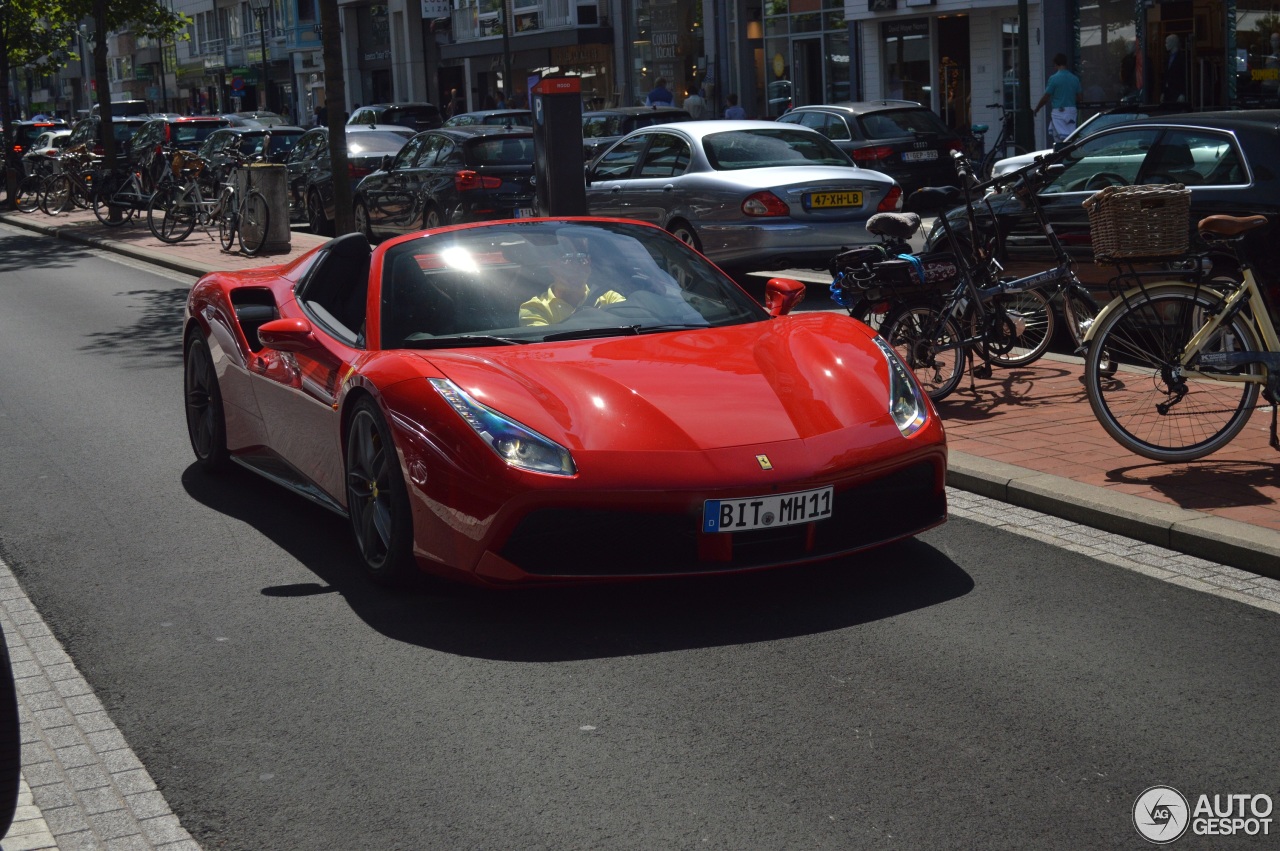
<point x="377" y="501"/>
<point x="206" y="423"/>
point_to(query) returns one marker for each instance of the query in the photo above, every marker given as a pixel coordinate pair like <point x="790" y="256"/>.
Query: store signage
<point x="902" y="29"/>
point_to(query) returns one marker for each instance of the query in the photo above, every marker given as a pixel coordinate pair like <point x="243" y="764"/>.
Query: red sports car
<point x="555" y="400"/>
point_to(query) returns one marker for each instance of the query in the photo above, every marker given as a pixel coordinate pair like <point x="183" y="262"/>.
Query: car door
<point x="608" y="192"/>
<point x="386" y="193"/>
<point x="653" y="193"/>
<point x="414" y="183"/>
<point x="437" y="168"/>
<point x="301" y="165"/>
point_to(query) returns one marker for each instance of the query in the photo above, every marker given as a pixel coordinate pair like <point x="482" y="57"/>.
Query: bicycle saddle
<point x="1225" y="226"/>
<point x="931" y="199"/>
<point x="894" y="225"/>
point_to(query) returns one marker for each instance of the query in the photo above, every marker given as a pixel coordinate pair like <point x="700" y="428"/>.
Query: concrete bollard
<point x="273" y="182"/>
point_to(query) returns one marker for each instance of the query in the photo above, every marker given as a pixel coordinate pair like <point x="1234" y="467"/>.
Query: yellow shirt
<point x="550" y="309"/>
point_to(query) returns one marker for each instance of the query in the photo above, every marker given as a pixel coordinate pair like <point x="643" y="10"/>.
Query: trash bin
<point x="273" y="182"/>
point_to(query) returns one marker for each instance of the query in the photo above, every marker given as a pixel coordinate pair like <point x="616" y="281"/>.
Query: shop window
<point x="905" y="51"/>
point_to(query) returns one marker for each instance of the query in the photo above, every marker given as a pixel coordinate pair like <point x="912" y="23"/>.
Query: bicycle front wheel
<point x="1151" y="405"/>
<point x="930" y="344"/>
<point x="255" y="220"/>
<point x="57" y="195"/>
<point x="104" y="192"/>
<point x="172" y="213"/>
<point x="1023" y="329"/>
<point x="30" y="191"/>
<point x="228" y="218"/>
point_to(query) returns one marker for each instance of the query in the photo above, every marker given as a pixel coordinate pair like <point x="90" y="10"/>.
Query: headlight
<point x="906" y="403"/>
<point x="518" y="446"/>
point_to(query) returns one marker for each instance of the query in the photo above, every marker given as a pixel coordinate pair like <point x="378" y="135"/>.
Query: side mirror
<point x="287" y="335"/>
<point x="781" y="295"/>
<point x="386" y="161"/>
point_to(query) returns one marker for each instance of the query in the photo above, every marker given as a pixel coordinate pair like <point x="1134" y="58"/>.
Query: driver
<point x="568" y="292"/>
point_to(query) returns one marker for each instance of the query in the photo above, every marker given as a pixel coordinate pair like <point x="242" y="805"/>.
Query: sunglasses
<point x="576" y="259"/>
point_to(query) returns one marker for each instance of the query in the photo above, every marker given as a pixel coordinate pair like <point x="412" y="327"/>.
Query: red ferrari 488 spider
<point x="556" y="400"/>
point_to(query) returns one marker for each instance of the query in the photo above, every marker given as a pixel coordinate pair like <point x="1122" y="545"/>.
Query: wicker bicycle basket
<point x="1139" y="222"/>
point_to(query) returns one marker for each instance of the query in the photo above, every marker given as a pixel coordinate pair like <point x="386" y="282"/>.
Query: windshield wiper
<point x="671" y="326"/>
<point x="588" y="333"/>
<point x="462" y="341"/>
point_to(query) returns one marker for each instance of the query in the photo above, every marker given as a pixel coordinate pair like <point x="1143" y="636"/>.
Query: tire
<point x="30" y="191"/>
<point x="909" y="331"/>
<point x="431" y="219"/>
<point x="206" y="420"/>
<point x="360" y="213"/>
<point x="177" y="218"/>
<point x="1145" y="337"/>
<point x="377" y="501"/>
<point x="105" y="190"/>
<point x="1030" y="323"/>
<point x="684" y="232"/>
<point x="228" y="218"/>
<point x="59" y="194"/>
<point x="317" y="222"/>
<point x="256" y="224"/>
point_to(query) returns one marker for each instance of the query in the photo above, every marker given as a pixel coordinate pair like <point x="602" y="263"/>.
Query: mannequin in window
<point x="1175" y="71"/>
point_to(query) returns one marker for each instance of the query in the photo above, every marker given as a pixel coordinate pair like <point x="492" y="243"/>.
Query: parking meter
<point x="557" y="146"/>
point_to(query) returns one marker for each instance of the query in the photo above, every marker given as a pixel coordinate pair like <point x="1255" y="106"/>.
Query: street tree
<point x="335" y="105"/>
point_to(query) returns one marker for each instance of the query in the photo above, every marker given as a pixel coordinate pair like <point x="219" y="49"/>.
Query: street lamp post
<point x="260" y="9"/>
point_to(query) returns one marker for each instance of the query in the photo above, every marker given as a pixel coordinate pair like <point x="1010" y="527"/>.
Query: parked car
<point x="25" y="134"/>
<point x="255" y="119"/>
<point x="86" y="133"/>
<point x="122" y="107"/>
<point x="155" y="141"/>
<point x="311" y="170"/>
<point x="602" y="127"/>
<point x="498" y="117"/>
<point x="44" y="151"/>
<point x="1226" y="159"/>
<point x="903" y="139"/>
<point x="748" y="194"/>
<point x="400" y="388"/>
<point x="447" y="177"/>
<point x="225" y="148"/>
<point x="419" y="116"/>
<point x="1092" y="124"/>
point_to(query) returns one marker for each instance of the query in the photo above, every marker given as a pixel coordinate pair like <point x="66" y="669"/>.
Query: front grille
<point x="602" y="542"/>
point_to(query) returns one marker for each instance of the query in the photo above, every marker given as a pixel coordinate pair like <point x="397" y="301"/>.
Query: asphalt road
<point x="968" y="689"/>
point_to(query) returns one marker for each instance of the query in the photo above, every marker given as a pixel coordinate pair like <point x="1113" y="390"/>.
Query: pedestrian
<point x="1062" y="94"/>
<point x="322" y="116"/>
<point x="457" y="105"/>
<point x="499" y="100"/>
<point x="1175" y="72"/>
<point x="696" y="105"/>
<point x="734" y="112"/>
<point x="661" y="95"/>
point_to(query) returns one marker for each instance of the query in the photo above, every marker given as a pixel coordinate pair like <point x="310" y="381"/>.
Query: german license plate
<point x="766" y="512"/>
<point x="526" y="213"/>
<point x="822" y="200"/>
<point x="919" y="156"/>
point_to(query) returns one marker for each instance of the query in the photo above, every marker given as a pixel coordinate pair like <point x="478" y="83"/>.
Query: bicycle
<point x="179" y="205"/>
<point x="245" y="215"/>
<point x="72" y="185"/>
<point x="123" y="189"/>
<point x="942" y="308"/>
<point x="1193" y="356"/>
<point x="1004" y="146"/>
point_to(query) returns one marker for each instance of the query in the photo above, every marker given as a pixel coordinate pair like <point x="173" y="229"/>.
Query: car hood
<point x="784" y="379"/>
<point x="1009" y="164"/>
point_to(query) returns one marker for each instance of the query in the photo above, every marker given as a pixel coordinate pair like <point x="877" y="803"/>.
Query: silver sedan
<point x="750" y="195"/>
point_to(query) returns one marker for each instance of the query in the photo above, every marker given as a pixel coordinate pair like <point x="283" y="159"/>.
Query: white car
<point x="1091" y="125"/>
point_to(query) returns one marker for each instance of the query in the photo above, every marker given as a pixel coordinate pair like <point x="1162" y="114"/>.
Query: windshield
<point x="501" y="151"/>
<point x="771" y="147"/>
<point x="525" y="283"/>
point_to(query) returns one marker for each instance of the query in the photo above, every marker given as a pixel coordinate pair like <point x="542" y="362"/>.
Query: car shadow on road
<point x="586" y="622"/>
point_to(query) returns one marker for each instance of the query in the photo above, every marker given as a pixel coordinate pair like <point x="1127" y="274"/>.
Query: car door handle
<point x="670" y="187"/>
<point x="615" y="188"/>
